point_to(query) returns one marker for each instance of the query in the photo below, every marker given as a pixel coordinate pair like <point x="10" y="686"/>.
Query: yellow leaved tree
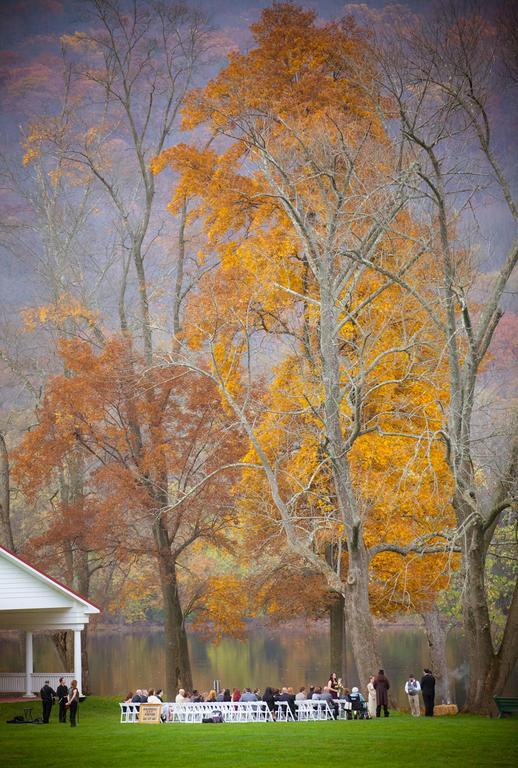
<point x="332" y="369"/>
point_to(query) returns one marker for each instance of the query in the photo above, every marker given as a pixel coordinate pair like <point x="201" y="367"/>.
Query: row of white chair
<point x="239" y="712"/>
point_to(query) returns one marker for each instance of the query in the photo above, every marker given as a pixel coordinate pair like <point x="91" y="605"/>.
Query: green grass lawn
<point x="100" y="740"/>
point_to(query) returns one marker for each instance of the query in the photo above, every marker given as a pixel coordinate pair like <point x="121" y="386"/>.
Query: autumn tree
<point x="444" y="75"/>
<point x="305" y="180"/>
<point x="89" y="413"/>
<point x="127" y="73"/>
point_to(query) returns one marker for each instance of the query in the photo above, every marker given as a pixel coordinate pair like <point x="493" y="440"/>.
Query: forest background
<point x="257" y="326"/>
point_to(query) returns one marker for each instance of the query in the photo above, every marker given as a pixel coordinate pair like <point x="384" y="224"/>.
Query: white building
<point x="31" y="601"/>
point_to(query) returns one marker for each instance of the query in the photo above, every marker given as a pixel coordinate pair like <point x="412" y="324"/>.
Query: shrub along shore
<point x="100" y="740"/>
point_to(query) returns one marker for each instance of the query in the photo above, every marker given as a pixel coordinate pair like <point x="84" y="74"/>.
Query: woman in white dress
<point x="371" y="698"/>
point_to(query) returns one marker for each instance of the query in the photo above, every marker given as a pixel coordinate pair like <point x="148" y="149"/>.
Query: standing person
<point x="73" y="702"/>
<point x="412" y="689"/>
<point x="333" y="685"/>
<point x="382" y="685"/>
<point x="47" y="699"/>
<point x="371" y="697"/>
<point x="62" y="693"/>
<point x="428" y="689"/>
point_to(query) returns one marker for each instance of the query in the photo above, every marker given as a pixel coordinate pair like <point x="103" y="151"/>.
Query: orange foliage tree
<point x="330" y="368"/>
<point x="153" y="481"/>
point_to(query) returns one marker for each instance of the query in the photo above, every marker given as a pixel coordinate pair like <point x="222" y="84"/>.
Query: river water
<point x="123" y="660"/>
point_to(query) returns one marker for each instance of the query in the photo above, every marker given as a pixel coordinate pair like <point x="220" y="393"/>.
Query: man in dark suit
<point x="428" y="691"/>
<point x="62" y="693"/>
<point x="47" y="697"/>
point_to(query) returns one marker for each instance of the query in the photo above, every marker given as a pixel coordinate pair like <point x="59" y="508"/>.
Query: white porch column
<point x="77" y="659"/>
<point x="29" y="666"/>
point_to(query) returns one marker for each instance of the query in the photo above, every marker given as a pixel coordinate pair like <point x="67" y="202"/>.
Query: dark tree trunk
<point x="337" y="651"/>
<point x="85" y="662"/>
<point x="6" y="531"/>
<point x="477" y="625"/>
<point x="177" y="662"/>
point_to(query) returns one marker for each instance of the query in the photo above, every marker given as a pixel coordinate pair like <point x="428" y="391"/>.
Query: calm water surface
<point x="121" y="661"/>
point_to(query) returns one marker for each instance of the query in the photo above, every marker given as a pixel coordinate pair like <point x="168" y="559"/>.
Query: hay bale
<point x="445" y="709"/>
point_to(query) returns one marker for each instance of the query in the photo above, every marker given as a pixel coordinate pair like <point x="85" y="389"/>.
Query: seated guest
<point x="211" y="696"/>
<point x="301" y="695"/>
<point x="257" y="692"/>
<point x="152" y="698"/>
<point x="181" y="698"/>
<point x="311" y="691"/>
<point x="137" y="698"/>
<point x="224" y="695"/>
<point x="236" y="694"/>
<point x="326" y="695"/>
<point x="247" y="695"/>
<point x="159" y="694"/>
<point x="288" y="696"/>
<point x="317" y="693"/>
<point x="358" y="704"/>
<point x="269" y="699"/>
<point x="129" y="698"/>
<point x="143" y="696"/>
<point x="196" y="696"/>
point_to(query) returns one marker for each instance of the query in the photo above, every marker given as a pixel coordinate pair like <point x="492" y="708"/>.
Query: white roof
<point x="30" y="599"/>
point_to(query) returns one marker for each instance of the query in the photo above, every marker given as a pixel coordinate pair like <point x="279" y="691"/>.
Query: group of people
<point x="145" y="696"/>
<point x="67" y="698"/>
<point x="362" y="707"/>
<point x="426" y="687"/>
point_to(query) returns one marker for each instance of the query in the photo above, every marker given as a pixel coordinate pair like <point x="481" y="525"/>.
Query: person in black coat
<point x="47" y="698"/>
<point x="62" y="693"/>
<point x="382" y="685"/>
<point x="428" y="691"/>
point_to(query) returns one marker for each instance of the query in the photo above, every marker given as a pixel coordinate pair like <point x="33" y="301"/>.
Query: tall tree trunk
<point x="5" y="492"/>
<point x="358" y="616"/>
<point x="82" y="582"/>
<point x="337" y="650"/>
<point x="177" y="662"/>
<point x="436" y="628"/>
<point x="477" y="623"/>
<point x="85" y="661"/>
<point x="360" y="625"/>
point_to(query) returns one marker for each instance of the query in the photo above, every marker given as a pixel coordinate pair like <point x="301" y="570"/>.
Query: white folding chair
<point x="283" y="712"/>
